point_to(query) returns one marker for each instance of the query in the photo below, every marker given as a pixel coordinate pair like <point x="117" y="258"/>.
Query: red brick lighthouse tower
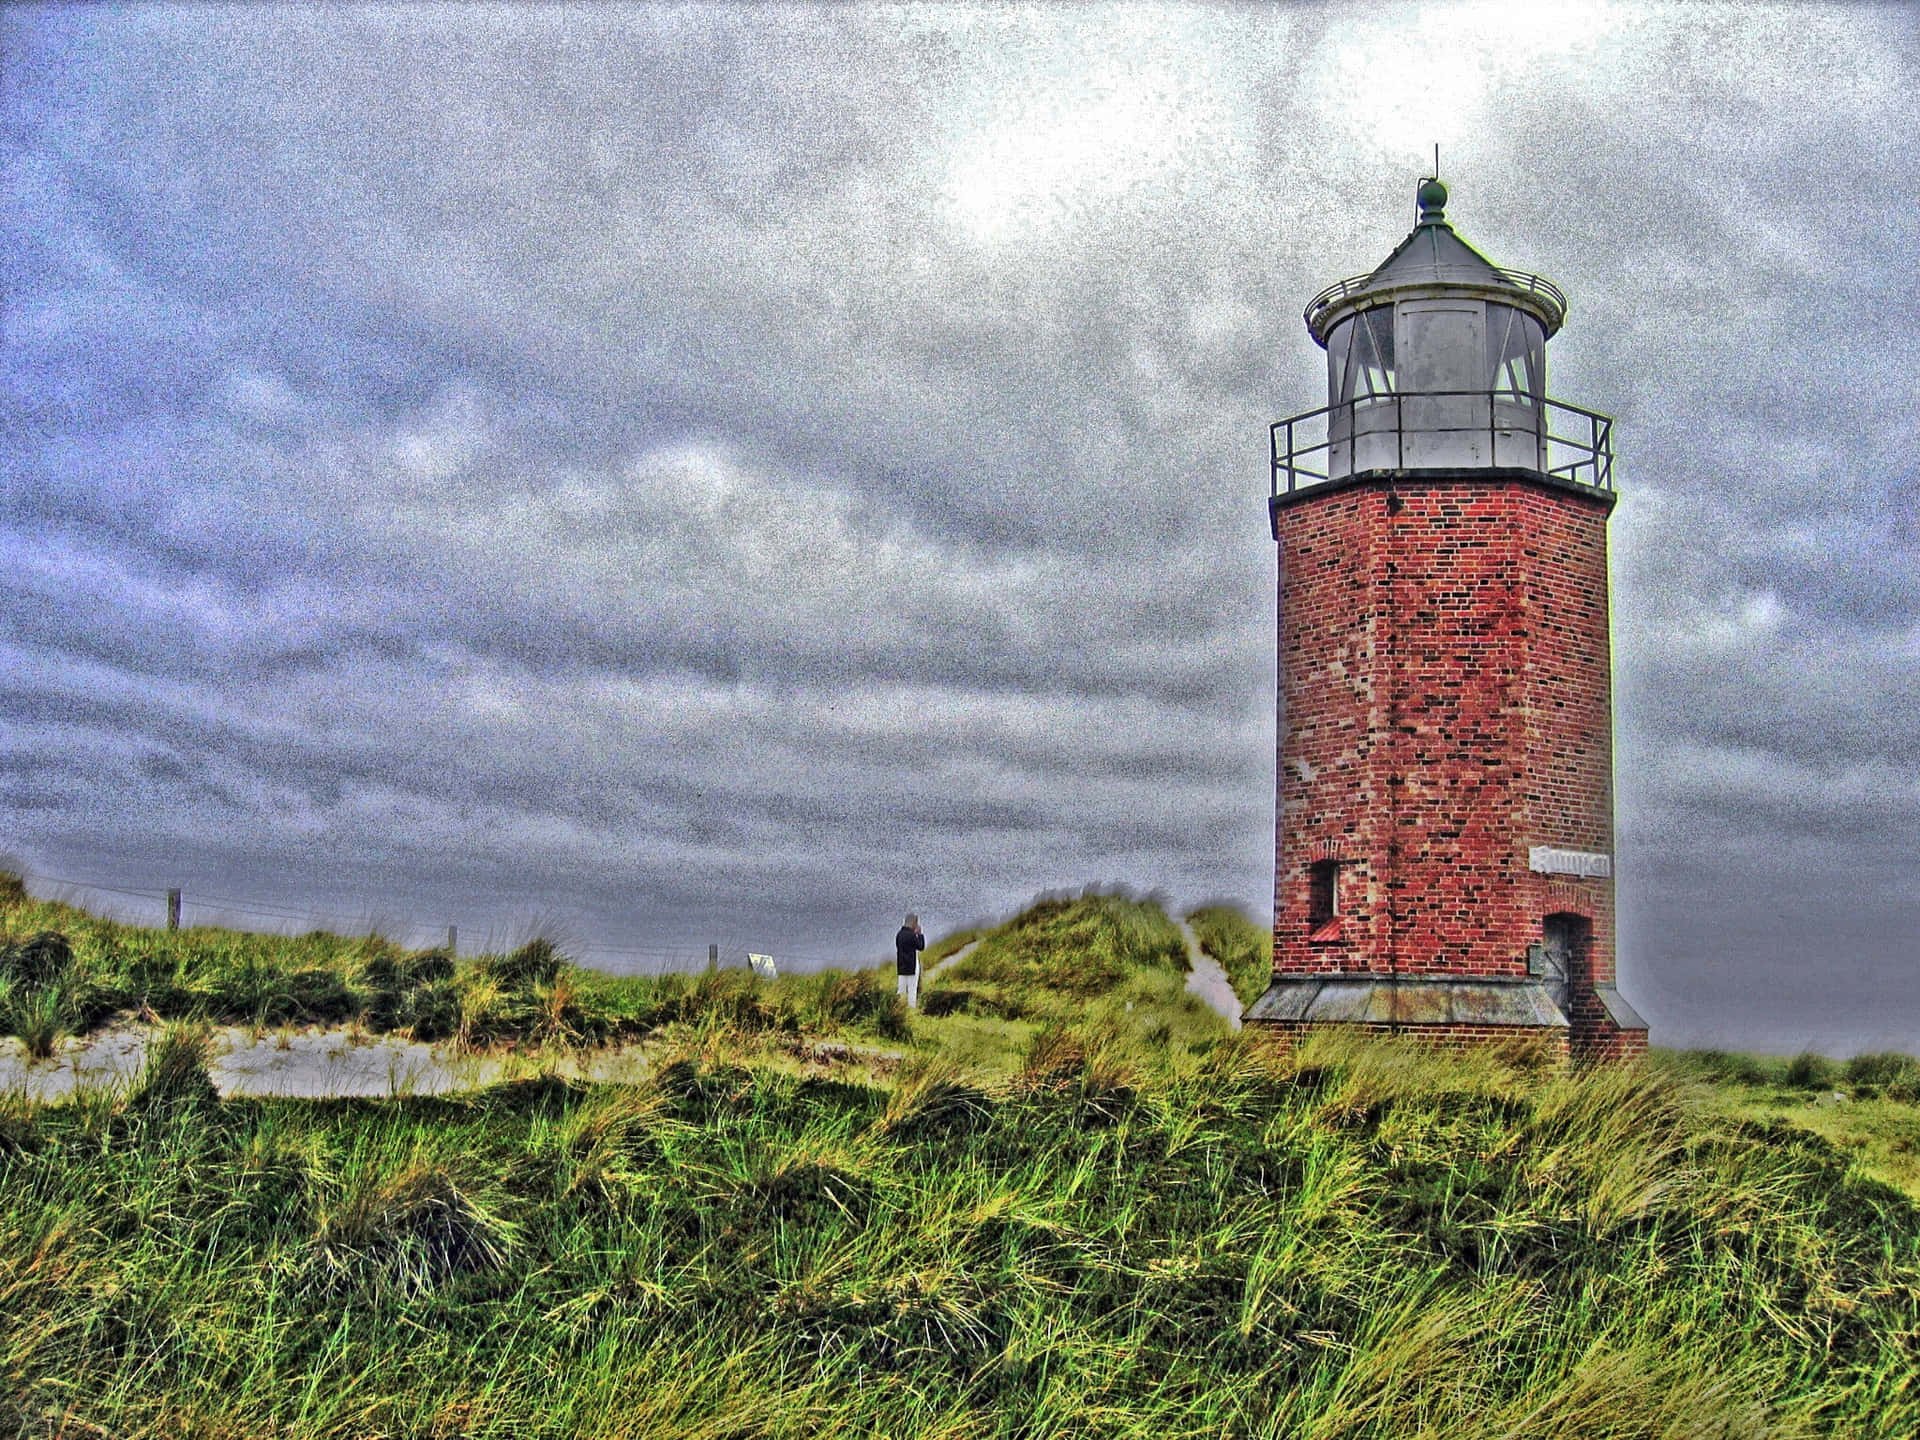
<point x="1445" y="828"/>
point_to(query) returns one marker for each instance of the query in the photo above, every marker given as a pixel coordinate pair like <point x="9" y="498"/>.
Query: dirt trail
<point x="953" y="959"/>
<point x="308" y="1063"/>
<point x="1207" y="980"/>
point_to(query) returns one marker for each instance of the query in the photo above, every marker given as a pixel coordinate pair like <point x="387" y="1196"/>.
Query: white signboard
<point x="1549" y="861"/>
<point x="762" y="965"/>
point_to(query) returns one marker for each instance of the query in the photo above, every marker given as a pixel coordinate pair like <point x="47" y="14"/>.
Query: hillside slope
<point x="1076" y="1207"/>
<point x="1361" y="1242"/>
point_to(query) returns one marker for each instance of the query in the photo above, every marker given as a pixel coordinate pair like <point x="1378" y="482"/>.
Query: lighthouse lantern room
<point x="1444" y="857"/>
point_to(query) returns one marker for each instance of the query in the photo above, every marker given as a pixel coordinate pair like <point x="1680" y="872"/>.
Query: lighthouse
<point x="1444" y="828"/>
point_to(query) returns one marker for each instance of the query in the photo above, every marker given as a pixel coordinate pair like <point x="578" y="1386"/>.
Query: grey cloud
<point x="601" y="454"/>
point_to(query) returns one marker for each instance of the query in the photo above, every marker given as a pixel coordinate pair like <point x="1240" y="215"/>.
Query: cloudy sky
<point x="734" y="473"/>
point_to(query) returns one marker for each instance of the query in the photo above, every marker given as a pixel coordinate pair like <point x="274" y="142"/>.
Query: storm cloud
<point x="739" y="473"/>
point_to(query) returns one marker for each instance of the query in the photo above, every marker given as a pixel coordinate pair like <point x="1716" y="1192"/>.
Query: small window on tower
<point x="1323" y="892"/>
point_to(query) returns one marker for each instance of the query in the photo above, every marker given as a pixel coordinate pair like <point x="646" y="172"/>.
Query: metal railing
<point x="1353" y="284"/>
<point x="1568" y="442"/>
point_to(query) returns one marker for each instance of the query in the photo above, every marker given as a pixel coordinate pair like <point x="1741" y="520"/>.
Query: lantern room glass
<point x="1516" y="355"/>
<point x="1360" y="357"/>
<point x="1437" y="382"/>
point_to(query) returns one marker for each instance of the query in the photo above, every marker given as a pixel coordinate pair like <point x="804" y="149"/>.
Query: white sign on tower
<point x="1549" y="861"/>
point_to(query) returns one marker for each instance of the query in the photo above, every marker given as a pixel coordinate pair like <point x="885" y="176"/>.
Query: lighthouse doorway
<point x="1564" y="940"/>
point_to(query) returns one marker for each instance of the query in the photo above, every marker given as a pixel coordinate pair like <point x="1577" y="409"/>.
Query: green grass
<point x="1077" y="947"/>
<point x="1362" y="1241"/>
<point x="1073" y="1209"/>
<point x="1867" y="1107"/>
<point x="1102" y="960"/>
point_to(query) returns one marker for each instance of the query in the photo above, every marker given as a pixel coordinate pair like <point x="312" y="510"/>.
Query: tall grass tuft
<point x="1091" y="1065"/>
<point x="175" y="1076"/>
<point x="934" y="1096"/>
<point x="36" y="990"/>
<point x="1886" y="1070"/>
<point x="39" y="961"/>
<point x="39" y="1017"/>
<point x="1809" y="1072"/>
<point x="405" y="1222"/>
<point x="535" y="963"/>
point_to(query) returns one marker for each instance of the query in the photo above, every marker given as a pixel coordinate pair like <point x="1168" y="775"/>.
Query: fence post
<point x="713" y="957"/>
<point x="453" y="939"/>
<point x="173" y="909"/>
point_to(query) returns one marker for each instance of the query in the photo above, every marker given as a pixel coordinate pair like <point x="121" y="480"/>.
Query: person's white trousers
<point x="908" y="989"/>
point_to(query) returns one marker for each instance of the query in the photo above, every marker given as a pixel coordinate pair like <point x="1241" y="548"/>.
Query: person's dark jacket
<point x="907" y="946"/>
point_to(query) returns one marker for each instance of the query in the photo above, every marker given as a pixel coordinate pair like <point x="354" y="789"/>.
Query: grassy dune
<point x="64" y="971"/>
<point x="1108" y="963"/>
<point x="1362" y="1241"/>
<point x="1080" y="1219"/>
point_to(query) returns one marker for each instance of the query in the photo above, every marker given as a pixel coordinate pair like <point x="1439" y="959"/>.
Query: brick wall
<point x="1551" y="1042"/>
<point x="1445" y="704"/>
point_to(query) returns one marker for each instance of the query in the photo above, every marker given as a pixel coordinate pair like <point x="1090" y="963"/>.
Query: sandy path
<point x="305" y="1063"/>
<point x="953" y="959"/>
<point x="315" y="1063"/>
<point x="1207" y="980"/>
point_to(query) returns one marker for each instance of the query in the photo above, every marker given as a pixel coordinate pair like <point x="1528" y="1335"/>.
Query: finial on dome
<point x="1432" y="198"/>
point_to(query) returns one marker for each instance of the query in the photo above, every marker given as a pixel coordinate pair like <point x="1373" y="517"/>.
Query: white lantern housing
<point x="1437" y="360"/>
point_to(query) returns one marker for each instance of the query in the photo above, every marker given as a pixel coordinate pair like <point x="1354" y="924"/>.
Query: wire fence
<point x="178" y="907"/>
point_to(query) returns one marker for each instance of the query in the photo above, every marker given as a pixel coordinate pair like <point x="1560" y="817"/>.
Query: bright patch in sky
<point x="1423" y="75"/>
<point x="1042" y="166"/>
<point x="1113" y="121"/>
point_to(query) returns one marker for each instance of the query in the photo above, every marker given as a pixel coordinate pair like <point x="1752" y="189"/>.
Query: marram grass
<point x="1078" y="1209"/>
<point x="1356" y="1243"/>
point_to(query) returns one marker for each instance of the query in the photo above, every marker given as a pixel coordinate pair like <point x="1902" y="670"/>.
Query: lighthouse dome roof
<point x="1434" y="257"/>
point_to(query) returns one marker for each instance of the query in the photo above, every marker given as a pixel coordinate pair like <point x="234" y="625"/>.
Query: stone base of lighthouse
<point x="1451" y="1015"/>
<point x="1445" y="819"/>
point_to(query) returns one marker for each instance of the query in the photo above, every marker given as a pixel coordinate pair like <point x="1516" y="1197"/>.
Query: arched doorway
<point x="1564" y="938"/>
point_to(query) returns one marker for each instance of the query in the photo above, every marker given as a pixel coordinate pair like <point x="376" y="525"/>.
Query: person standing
<point x="907" y="946"/>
